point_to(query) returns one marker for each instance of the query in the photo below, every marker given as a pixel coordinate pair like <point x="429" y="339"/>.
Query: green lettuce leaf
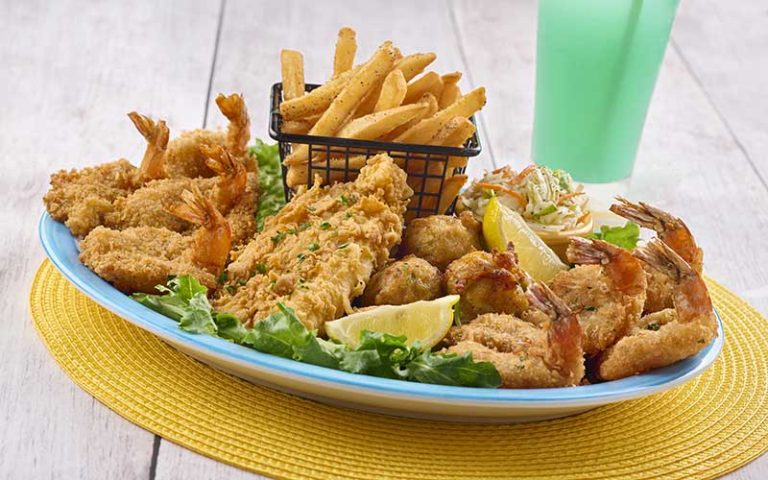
<point x="283" y="334"/>
<point x="625" y="237"/>
<point x="452" y="369"/>
<point x="185" y="300"/>
<point x="272" y="195"/>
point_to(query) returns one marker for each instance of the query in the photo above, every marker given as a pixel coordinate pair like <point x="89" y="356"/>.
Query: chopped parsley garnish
<point x="653" y="326"/>
<point x="301" y="257"/>
<point x="313" y="246"/>
<point x="222" y="278"/>
<point x="231" y="289"/>
<point x="278" y="238"/>
<point x="325" y="226"/>
<point x="304" y="226"/>
<point x="261" y="268"/>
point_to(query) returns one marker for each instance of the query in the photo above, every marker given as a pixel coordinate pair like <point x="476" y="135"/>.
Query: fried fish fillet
<point x="319" y="252"/>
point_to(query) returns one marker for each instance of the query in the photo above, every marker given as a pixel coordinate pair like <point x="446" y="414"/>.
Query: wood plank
<point x="72" y="69"/>
<point x="724" y="44"/>
<point x="178" y="463"/>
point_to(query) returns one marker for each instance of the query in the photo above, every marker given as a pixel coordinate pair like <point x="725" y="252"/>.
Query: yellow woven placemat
<point x="703" y="429"/>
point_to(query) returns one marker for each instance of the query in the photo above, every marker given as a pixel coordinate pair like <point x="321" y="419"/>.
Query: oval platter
<point x="344" y="389"/>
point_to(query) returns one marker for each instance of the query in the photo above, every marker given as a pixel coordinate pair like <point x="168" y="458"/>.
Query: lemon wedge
<point x="426" y="321"/>
<point x="502" y="225"/>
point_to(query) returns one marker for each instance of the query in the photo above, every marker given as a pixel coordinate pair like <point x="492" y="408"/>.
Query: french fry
<point x="377" y="124"/>
<point x="430" y="101"/>
<point x="413" y="65"/>
<point x="423" y="131"/>
<point x="451" y="91"/>
<point x="297" y="174"/>
<point x="430" y="82"/>
<point x="345" y="102"/>
<point x="392" y="91"/>
<point x="451" y="187"/>
<point x="454" y="133"/>
<point x="296" y="126"/>
<point x="346" y="48"/>
<point x="292" y="68"/>
<point x="318" y="100"/>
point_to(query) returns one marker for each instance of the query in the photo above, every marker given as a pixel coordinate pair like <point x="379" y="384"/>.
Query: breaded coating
<point x="234" y="192"/>
<point x="488" y="283"/>
<point x="404" y="281"/>
<point x="317" y="254"/>
<point x="608" y="296"/>
<point x="139" y="258"/>
<point x="525" y="355"/>
<point x="82" y="198"/>
<point x="441" y="239"/>
<point x="668" y="336"/>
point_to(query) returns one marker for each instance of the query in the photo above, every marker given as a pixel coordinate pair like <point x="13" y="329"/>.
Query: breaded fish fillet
<point x="319" y="252"/>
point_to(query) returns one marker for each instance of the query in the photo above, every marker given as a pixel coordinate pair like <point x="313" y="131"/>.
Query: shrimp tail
<point x="564" y="332"/>
<point x="156" y="133"/>
<point x="590" y="252"/>
<point x="239" y="130"/>
<point x="233" y="175"/>
<point x="691" y="296"/>
<point x="670" y="229"/>
<point x="213" y="240"/>
<point x="643" y="214"/>
<point x="622" y="268"/>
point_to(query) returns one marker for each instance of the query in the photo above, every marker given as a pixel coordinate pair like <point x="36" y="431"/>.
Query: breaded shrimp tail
<point x="153" y="164"/>
<point x="213" y="241"/>
<point x="625" y="271"/>
<point x="671" y="230"/>
<point x="239" y="130"/>
<point x="233" y="177"/>
<point x="691" y="288"/>
<point x="564" y="334"/>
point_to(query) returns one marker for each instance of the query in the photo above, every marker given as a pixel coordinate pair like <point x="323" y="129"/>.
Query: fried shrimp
<point x="156" y="133"/>
<point x="441" y="239"/>
<point x="673" y="232"/>
<point x="606" y="290"/>
<point x="525" y="355"/>
<point x="318" y="253"/>
<point x="404" y="281"/>
<point x="83" y="198"/>
<point x="139" y="258"/>
<point x="670" y="335"/>
<point x="233" y="191"/>
<point x="487" y="283"/>
<point x="184" y="158"/>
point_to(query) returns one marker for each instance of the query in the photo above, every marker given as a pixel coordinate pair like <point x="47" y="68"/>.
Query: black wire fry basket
<point x="435" y="173"/>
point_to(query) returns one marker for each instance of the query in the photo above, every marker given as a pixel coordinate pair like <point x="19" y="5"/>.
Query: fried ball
<point x="441" y="239"/>
<point x="404" y="281"/>
<point x="487" y="283"/>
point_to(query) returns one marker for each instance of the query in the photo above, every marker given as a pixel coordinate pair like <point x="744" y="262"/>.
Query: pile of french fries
<point x="381" y="100"/>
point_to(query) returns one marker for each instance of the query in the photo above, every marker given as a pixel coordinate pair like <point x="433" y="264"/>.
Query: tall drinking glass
<point x="597" y="63"/>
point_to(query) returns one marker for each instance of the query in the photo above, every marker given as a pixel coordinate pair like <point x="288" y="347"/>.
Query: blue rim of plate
<point x="61" y="248"/>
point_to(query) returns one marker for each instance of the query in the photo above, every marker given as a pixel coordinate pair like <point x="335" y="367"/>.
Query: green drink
<point x="597" y="63"/>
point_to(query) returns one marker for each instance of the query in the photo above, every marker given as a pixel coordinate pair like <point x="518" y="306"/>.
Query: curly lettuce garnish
<point x="185" y="300"/>
<point x="272" y="196"/>
<point x="624" y="237"/>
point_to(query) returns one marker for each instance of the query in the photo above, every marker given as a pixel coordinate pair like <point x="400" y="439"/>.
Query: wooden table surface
<point x="72" y="69"/>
